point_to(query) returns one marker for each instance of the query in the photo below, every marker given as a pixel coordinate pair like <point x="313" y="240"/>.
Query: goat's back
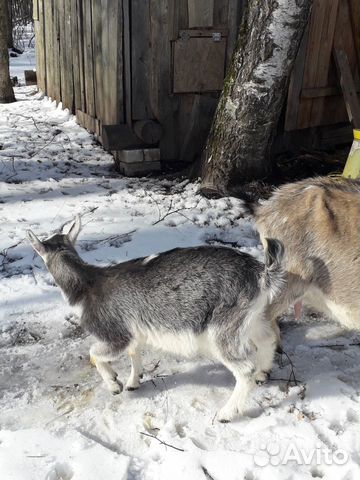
<point x="176" y="290"/>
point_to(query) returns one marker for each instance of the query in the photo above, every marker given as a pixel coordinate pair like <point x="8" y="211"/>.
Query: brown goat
<point x="317" y="220"/>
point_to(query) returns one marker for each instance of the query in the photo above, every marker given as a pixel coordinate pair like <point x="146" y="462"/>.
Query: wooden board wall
<point x="79" y="57"/>
<point x="315" y="97"/>
<point x="112" y="62"/>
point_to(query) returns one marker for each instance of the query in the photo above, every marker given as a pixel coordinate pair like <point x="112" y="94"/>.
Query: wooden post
<point x="348" y="87"/>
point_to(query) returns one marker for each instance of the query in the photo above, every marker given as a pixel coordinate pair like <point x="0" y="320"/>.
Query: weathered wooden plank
<point x="62" y="51"/>
<point x="163" y="105"/>
<point x="97" y="11"/>
<point x="318" y="58"/>
<point x="88" y="59"/>
<point x="354" y="7"/>
<point x="183" y="14"/>
<point x="221" y="8"/>
<point x="88" y="122"/>
<point x="107" y="50"/>
<point x="40" y="47"/>
<point x="174" y="15"/>
<point x="201" y="13"/>
<point x="233" y="22"/>
<point x="68" y="45"/>
<point x="57" y="7"/>
<point x="48" y="47"/>
<point x="198" y="127"/>
<point x="81" y="49"/>
<point x="127" y="62"/>
<point x="140" y="60"/>
<point x="75" y="55"/>
<point x="348" y="87"/>
<point x="295" y="85"/>
<point x="346" y="38"/>
<point x="116" y="63"/>
<point x="36" y="10"/>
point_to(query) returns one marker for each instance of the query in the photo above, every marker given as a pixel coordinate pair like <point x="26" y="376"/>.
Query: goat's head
<point x="57" y="243"/>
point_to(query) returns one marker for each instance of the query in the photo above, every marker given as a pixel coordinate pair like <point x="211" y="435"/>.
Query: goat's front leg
<point x="100" y="355"/>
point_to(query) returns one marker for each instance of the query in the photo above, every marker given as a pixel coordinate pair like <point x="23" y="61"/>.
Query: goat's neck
<point x="72" y="275"/>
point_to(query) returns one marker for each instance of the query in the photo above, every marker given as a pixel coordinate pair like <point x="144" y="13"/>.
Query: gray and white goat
<point x="187" y="301"/>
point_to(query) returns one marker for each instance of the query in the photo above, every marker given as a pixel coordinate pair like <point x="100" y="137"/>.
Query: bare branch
<point x="162" y="442"/>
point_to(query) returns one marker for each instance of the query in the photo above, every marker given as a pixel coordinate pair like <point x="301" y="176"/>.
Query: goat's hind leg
<point x="100" y="355"/>
<point x="265" y="351"/>
<point x="133" y="382"/>
<point x="241" y="363"/>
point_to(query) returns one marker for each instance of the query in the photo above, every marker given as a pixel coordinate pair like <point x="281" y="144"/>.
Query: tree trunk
<point x="254" y="91"/>
<point x="6" y="90"/>
<point x="10" y="41"/>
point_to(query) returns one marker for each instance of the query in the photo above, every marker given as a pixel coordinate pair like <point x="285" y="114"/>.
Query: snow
<point x="57" y="419"/>
<point x="26" y="60"/>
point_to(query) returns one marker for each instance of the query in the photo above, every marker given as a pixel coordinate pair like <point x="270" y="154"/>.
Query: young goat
<point x="318" y="221"/>
<point x="206" y="300"/>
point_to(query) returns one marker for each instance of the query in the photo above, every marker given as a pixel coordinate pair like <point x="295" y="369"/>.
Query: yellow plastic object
<point x="352" y="167"/>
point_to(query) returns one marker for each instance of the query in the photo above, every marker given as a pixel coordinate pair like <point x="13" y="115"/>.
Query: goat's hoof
<point x="224" y="416"/>
<point x="116" y="387"/>
<point x="261" y="377"/>
<point x="224" y="420"/>
<point x="131" y="389"/>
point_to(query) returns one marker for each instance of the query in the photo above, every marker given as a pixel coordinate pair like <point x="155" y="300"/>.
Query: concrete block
<point x="130" y="156"/>
<point x="138" y="169"/>
<point x="151" y="154"/>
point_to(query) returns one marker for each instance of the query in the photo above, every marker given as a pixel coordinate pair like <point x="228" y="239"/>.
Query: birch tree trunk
<point x="6" y="90"/>
<point x="254" y="91"/>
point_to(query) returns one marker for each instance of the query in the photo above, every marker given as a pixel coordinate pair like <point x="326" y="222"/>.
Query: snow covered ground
<point x="57" y="419"/>
<point x="26" y="60"/>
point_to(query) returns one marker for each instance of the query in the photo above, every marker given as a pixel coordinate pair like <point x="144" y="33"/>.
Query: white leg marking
<point x="236" y="403"/>
<point x="136" y="369"/>
<point x="101" y="354"/>
<point x="264" y="356"/>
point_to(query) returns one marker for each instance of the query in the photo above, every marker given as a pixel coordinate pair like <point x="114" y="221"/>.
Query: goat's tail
<point x="274" y="274"/>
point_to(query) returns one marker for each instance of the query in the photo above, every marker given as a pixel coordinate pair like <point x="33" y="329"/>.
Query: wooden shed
<point x="323" y="95"/>
<point x="143" y="75"/>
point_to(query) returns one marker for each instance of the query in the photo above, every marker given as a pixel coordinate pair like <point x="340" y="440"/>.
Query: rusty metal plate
<point x="199" y="64"/>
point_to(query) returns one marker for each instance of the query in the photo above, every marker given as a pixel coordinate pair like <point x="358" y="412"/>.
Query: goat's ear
<point x="74" y="230"/>
<point x="35" y="242"/>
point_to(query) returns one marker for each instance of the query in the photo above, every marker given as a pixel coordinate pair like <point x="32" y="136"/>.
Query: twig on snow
<point x="170" y="213"/>
<point x="207" y="474"/>
<point x="336" y="345"/>
<point x="292" y="377"/>
<point x="162" y="442"/>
